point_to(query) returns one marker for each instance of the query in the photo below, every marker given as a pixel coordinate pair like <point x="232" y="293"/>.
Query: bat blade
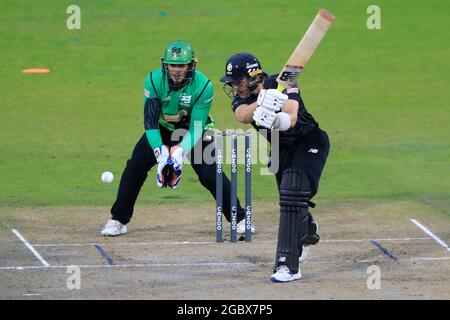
<point x="305" y="49"/>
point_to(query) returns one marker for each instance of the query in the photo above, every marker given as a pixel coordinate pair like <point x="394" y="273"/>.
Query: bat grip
<point x="280" y="88"/>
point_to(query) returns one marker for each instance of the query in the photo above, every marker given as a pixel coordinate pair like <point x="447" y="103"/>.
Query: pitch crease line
<point x="224" y="264"/>
<point x="431" y="234"/>
<point x="30" y="247"/>
<point x="212" y="242"/>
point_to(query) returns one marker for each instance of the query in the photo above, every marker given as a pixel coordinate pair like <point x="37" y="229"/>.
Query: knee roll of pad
<point x="295" y="190"/>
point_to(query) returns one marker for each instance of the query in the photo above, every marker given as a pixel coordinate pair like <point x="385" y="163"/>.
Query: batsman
<point x="303" y="151"/>
<point x="177" y="102"/>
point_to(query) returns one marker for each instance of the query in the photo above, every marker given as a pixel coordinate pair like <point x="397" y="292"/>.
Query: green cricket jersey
<point x="187" y="108"/>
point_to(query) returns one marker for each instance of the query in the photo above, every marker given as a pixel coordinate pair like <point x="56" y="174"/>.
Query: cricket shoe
<point x="113" y="228"/>
<point x="283" y="274"/>
<point x="312" y="239"/>
<point x="241" y="227"/>
<point x="305" y="253"/>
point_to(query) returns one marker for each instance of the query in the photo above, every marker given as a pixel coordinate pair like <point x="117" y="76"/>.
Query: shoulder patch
<point x="292" y="90"/>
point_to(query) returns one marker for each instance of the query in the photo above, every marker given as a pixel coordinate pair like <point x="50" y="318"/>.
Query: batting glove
<point x="264" y="117"/>
<point x="271" y="99"/>
<point x="271" y="120"/>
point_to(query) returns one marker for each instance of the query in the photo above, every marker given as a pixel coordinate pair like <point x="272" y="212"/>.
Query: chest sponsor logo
<point x="185" y="99"/>
<point x="174" y="117"/>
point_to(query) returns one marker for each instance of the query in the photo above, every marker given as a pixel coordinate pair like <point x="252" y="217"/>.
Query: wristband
<point x="284" y="121"/>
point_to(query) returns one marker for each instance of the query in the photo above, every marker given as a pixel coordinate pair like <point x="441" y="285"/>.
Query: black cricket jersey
<point x="305" y="122"/>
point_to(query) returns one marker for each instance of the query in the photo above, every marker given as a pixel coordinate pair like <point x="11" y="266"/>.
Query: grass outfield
<point x="382" y="95"/>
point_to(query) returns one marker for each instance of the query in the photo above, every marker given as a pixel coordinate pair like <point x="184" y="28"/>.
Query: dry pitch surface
<point x="170" y="253"/>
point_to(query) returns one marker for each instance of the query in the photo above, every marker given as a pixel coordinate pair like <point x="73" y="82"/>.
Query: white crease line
<point x="123" y="243"/>
<point x="210" y="242"/>
<point x="213" y="264"/>
<point x="382" y="239"/>
<point x="431" y="234"/>
<point x="151" y="265"/>
<point x="29" y="246"/>
<point x="426" y="259"/>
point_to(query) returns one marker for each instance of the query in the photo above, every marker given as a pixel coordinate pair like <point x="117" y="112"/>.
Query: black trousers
<point x="141" y="162"/>
<point x="309" y="155"/>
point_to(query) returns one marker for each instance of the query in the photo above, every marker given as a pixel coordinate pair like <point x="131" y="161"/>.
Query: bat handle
<point x="280" y="88"/>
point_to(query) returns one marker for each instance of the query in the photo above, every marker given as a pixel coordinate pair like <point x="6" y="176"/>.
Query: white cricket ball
<point x="107" y="177"/>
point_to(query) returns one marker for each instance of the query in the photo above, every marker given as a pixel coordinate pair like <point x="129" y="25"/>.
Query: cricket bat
<point x="305" y="49"/>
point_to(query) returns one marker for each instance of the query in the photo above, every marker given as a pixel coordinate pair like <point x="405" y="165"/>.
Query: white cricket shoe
<point x="312" y="239"/>
<point x="113" y="228"/>
<point x="283" y="274"/>
<point x="241" y="227"/>
<point x="305" y="253"/>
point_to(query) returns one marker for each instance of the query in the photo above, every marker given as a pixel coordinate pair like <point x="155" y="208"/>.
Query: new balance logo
<point x="313" y="150"/>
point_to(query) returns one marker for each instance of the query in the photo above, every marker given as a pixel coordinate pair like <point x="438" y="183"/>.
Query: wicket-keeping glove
<point x="162" y="156"/>
<point x="176" y="155"/>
